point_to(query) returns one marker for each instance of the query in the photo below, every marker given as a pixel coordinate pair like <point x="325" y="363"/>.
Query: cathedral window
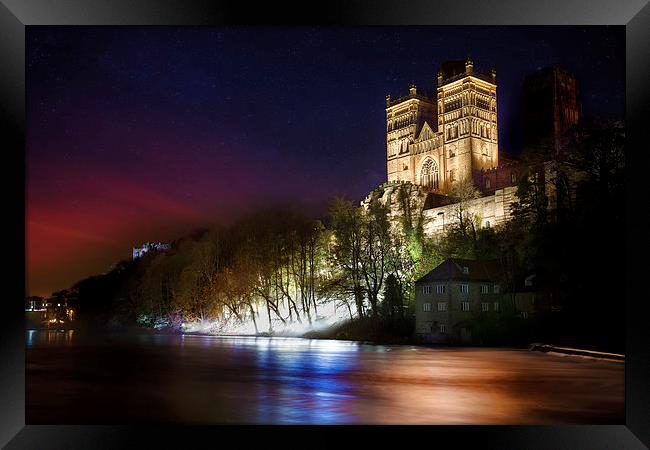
<point x="429" y="174"/>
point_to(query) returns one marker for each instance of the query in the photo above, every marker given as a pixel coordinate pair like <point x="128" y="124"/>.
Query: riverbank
<point x="366" y="331"/>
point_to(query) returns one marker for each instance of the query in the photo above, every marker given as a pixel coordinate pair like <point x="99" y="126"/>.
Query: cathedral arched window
<point x="429" y="174"/>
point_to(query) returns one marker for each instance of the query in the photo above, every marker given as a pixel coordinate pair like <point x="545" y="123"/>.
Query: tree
<point x="375" y="251"/>
<point x="346" y="247"/>
<point x="393" y="301"/>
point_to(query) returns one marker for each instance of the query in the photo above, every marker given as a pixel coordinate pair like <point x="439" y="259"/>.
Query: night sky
<point x="144" y="134"/>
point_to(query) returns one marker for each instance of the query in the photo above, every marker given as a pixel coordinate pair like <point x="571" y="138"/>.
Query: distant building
<point x="450" y="295"/>
<point x="533" y="295"/>
<point x="52" y="311"/>
<point x="35" y="303"/>
<point x="58" y="311"/>
<point x="551" y="106"/>
<point x="144" y="248"/>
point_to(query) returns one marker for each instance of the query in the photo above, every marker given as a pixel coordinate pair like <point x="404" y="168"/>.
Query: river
<point x="188" y="379"/>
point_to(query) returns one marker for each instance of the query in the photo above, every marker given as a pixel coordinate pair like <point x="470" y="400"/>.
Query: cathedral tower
<point x="467" y="119"/>
<point x="405" y="117"/>
<point x="436" y="142"/>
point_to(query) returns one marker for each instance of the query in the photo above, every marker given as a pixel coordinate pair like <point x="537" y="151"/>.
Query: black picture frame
<point x="15" y="15"/>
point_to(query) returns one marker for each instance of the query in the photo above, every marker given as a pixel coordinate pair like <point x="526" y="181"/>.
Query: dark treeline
<point x="280" y="267"/>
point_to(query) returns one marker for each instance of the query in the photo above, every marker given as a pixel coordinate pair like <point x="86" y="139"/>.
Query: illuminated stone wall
<point x="408" y="198"/>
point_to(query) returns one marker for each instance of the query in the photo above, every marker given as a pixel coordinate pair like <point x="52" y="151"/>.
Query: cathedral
<point x="434" y="142"/>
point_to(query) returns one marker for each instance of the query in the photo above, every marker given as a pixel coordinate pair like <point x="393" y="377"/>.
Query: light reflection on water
<point x="49" y="337"/>
<point x="212" y="379"/>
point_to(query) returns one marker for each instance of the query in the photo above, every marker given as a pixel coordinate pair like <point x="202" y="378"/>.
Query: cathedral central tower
<point x="435" y="142"/>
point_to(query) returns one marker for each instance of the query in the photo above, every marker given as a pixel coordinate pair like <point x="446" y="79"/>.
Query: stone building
<point x="453" y="296"/>
<point x="449" y="297"/>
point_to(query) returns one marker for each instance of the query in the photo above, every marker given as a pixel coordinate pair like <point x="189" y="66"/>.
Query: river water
<point x="190" y="379"/>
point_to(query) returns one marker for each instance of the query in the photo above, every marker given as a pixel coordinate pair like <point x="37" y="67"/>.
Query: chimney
<point x="493" y="73"/>
<point x="412" y="89"/>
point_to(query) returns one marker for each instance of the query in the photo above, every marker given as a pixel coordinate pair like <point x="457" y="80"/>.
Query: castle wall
<point x="492" y="210"/>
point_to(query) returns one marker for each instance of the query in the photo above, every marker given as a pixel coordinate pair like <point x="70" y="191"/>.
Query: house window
<point x="452" y="174"/>
<point x="442" y="306"/>
<point x="487" y="224"/>
<point x="496" y="306"/>
<point x="513" y="177"/>
<point x="464" y="306"/>
<point x="485" y="307"/>
<point x="484" y="289"/>
<point x="524" y="314"/>
<point x="487" y="183"/>
<point x="426" y="289"/>
<point x="464" y="288"/>
<point x="441" y="289"/>
<point x="465" y="270"/>
<point x="496" y="288"/>
<point x="443" y="328"/>
<point x="426" y="307"/>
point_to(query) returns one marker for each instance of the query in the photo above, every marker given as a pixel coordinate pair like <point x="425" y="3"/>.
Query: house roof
<point x="534" y="281"/>
<point x="478" y="270"/>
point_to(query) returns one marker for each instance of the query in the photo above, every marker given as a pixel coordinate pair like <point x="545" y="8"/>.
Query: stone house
<point x="448" y="297"/>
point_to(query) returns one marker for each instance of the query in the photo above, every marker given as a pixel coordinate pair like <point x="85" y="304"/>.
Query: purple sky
<point x="140" y="134"/>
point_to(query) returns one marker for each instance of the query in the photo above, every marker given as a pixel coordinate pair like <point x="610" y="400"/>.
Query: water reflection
<point x="49" y="337"/>
<point x="307" y="376"/>
<point x="211" y="379"/>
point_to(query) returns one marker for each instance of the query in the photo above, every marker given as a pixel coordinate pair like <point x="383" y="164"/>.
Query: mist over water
<point x="328" y="314"/>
